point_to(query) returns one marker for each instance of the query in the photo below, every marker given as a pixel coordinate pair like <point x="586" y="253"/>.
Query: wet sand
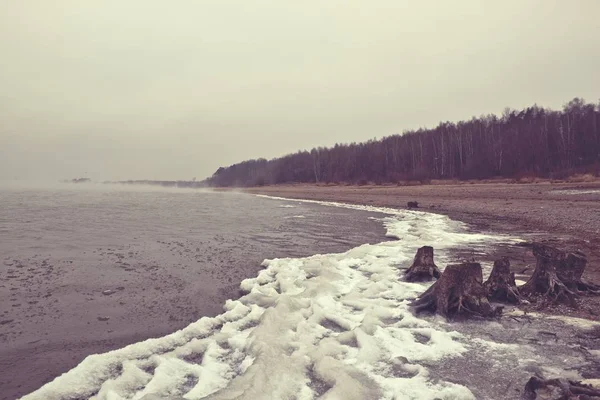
<point x="63" y="300"/>
<point x="565" y="215"/>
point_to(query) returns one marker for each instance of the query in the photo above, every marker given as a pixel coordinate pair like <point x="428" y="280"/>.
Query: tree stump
<point x="558" y="389"/>
<point x="459" y="290"/>
<point x="557" y="275"/>
<point x="501" y="284"/>
<point x="572" y="271"/>
<point x="423" y="268"/>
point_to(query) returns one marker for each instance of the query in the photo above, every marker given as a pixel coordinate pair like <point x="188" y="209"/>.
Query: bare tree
<point x="533" y="141"/>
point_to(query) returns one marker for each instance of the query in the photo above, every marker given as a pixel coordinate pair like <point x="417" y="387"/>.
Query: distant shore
<point x="565" y="215"/>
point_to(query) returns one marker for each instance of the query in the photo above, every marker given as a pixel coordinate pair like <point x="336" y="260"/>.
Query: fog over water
<point x="118" y="90"/>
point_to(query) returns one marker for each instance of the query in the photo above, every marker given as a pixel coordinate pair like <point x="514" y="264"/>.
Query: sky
<point x="148" y="89"/>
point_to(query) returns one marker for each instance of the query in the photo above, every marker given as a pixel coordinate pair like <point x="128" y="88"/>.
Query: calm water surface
<point x="89" y="269"/>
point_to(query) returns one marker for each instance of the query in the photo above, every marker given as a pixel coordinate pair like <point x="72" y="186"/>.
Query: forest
<point x="533" y="142"/>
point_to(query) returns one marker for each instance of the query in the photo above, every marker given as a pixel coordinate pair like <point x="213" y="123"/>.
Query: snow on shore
<point x="332" y="326"/>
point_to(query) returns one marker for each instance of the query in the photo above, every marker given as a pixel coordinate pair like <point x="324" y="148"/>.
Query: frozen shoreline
<point x="556" y="214"/>
<point x="339" y="324"/>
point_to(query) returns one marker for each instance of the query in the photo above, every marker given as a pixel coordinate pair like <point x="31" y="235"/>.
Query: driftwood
<point x="501" y="284"/>
<point x="558" y="389"/>
<point x="557" y="275"/>
<point x="459" y="290"/>
<point x="423" y="268"/>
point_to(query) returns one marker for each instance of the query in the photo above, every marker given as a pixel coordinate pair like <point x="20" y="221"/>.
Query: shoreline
<point x="478" y="222"/>
<point x="446" y="372"/>
<point x="566" y="216"/>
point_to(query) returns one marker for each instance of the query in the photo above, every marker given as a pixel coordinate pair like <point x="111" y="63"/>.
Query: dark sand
<point x="52" y="303"/>
<point x="565" y="215"/>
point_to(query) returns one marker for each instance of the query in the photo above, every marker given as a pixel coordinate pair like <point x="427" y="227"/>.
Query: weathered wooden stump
<point x="557" y="275"/>
<point x="558" y="389"/>
<point x="459" y="290"/>
<point x="572" y="271"/>
<point x="501" y="284"/>
<point x="423" y="268"/>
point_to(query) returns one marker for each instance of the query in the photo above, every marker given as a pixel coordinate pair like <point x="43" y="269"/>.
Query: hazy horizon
<point x="150" y="90"/>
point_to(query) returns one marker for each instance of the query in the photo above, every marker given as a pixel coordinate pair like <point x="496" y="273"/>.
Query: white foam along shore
<point x="331" y="325"/>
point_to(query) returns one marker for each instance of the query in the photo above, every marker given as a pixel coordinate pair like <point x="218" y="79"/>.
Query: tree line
<point x="534" y="141"/>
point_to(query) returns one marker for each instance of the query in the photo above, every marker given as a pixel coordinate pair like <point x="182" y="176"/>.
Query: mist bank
<point x="86" y="184"/>
<point x="533" y="142"/>
<point x="169" y="184"/>
<point x="142" y="182"/>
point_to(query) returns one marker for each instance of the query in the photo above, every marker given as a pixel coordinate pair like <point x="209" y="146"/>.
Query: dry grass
<point x="524" y="180"/>
<point x="583" y="178"/>
<point x="577" y="178"/>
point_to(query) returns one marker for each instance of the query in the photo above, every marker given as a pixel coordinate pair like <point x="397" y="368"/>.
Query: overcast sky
<point x="119" y="89"/>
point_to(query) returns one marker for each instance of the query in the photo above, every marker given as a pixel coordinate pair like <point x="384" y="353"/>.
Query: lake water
<point x="170" y="256"/>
